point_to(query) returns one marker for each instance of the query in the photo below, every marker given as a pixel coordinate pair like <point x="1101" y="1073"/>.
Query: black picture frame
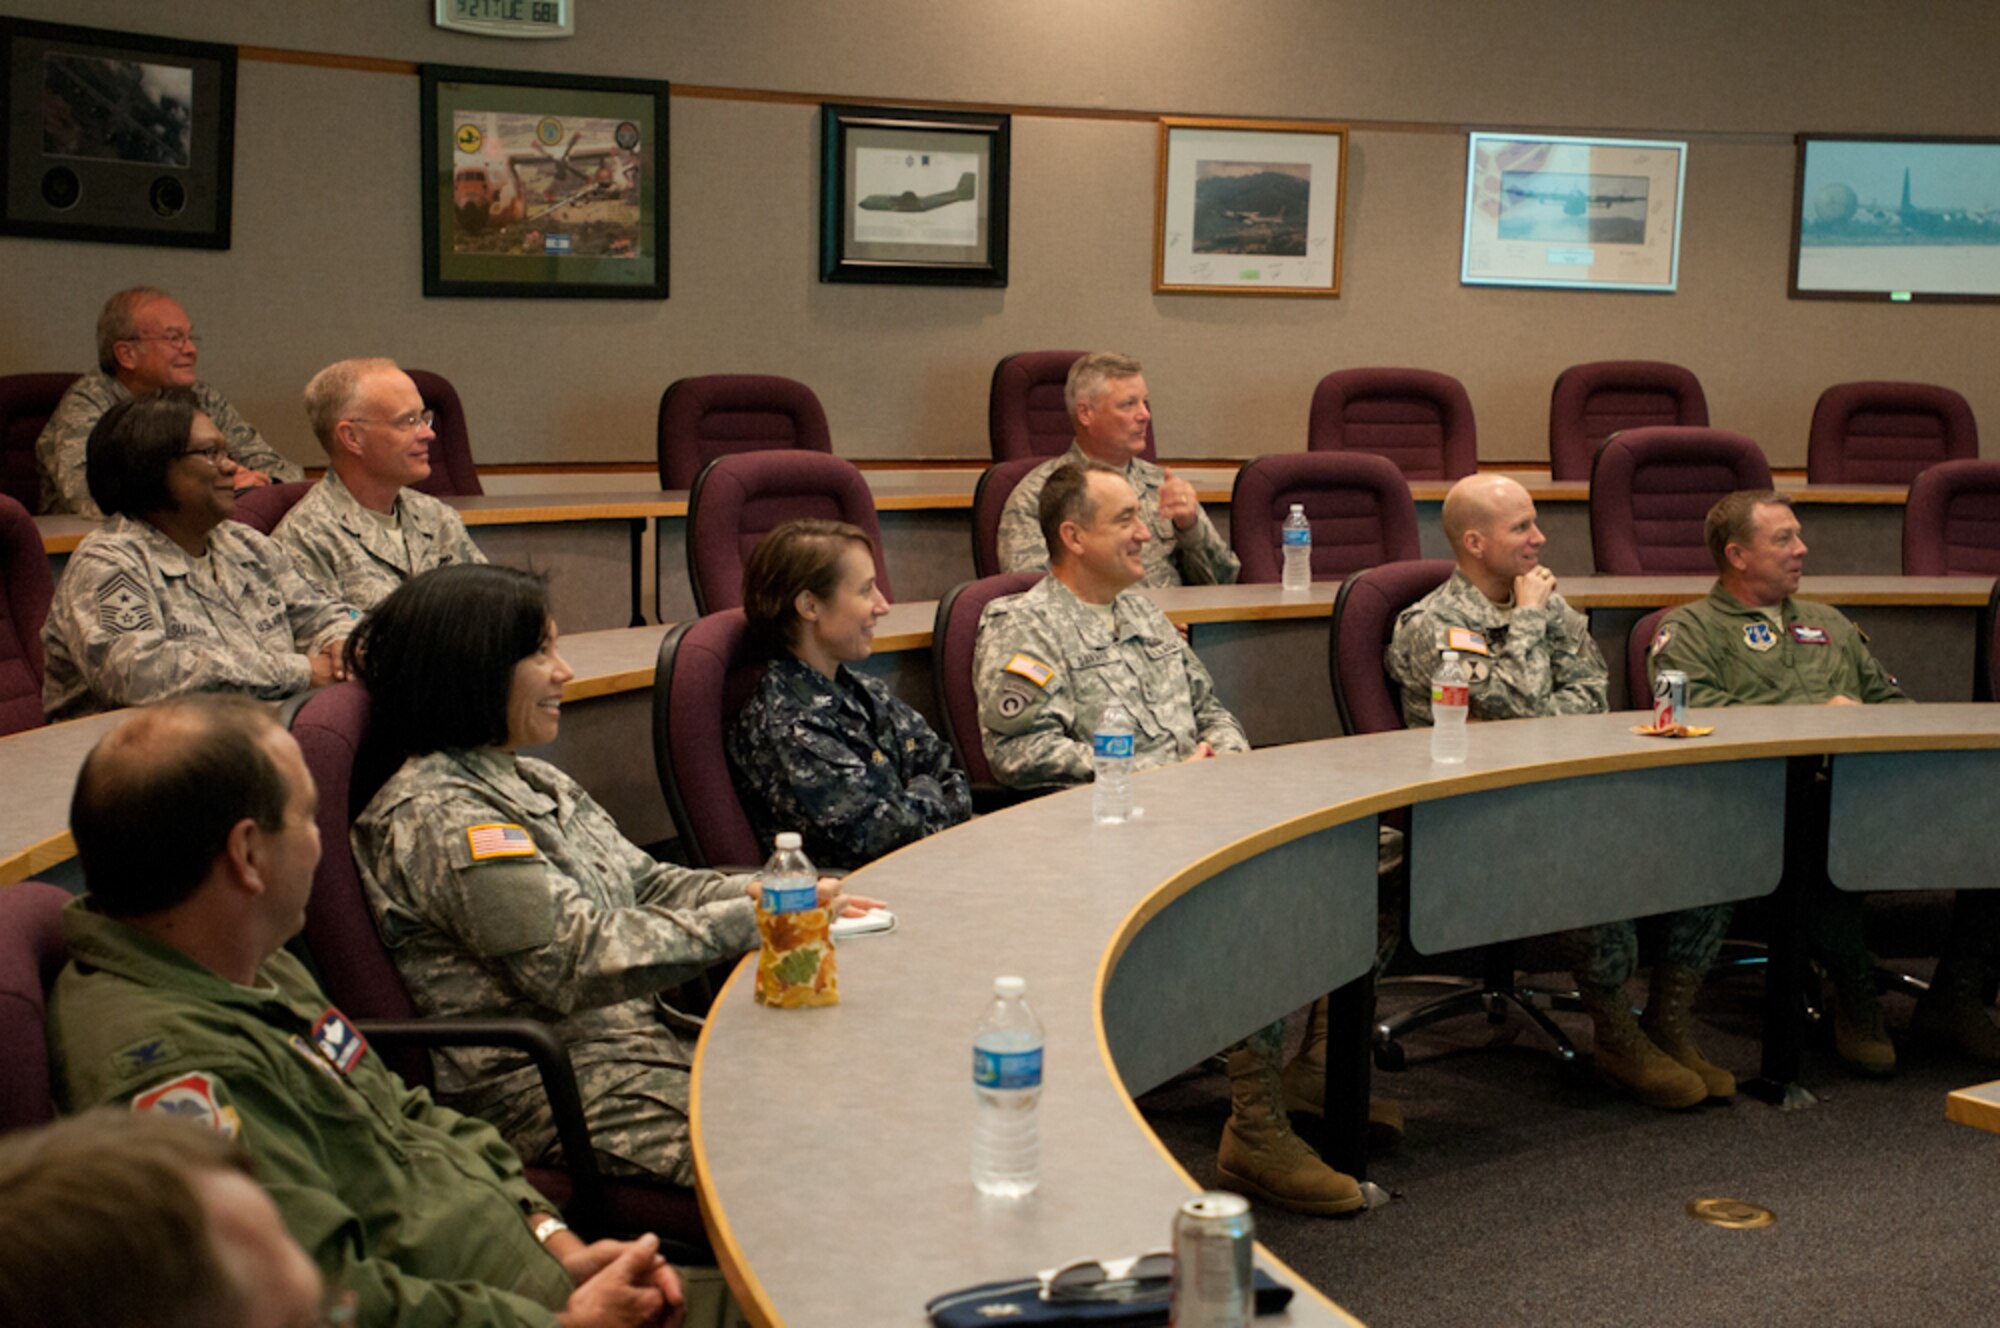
<point x="583" y="152"/>
<point x="116" y="137"/>
<point x="889" y="207"/>
<point x="1860" y="231"/>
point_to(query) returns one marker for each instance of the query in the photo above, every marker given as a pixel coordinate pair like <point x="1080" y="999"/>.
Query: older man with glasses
<point x="171" y="597"/>
<point x="145" y="343"/>
<point x="363" y="531"/>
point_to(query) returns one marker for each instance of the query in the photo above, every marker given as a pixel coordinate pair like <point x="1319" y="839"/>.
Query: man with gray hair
<point x="145" y="342"/>
<point x="363" y="531"/>
<point x="1107" y="403"/>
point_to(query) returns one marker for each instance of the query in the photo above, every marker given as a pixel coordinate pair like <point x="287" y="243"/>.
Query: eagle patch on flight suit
<point x="1758" y="636"/>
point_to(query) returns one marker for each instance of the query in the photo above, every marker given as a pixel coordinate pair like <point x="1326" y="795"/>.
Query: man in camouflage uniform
<point x="1047" y="664"/>
<point x="176" y="598"/>
<point x="1528" y="654"/>
<point x="144" y="343"/>
<point x="500" y="886"/>
<point x="1106" y="398"/>
<point x="1751" y="643"/>
<point x="194" y="824"/>
<point x="855" y="771"/>
<point x="362" y="531"/>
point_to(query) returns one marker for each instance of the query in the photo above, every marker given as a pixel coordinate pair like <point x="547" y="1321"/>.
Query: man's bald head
<point x="158" y="796"/>
<point x="1490" y="521"/>
<point x="1473" y="502"/>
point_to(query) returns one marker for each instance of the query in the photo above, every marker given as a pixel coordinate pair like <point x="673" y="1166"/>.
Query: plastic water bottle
<point x="791" y="885"/>
<point x="1007" y="1080"/>
<point x="1451" y="698"/>
<point x="1111" y="762"/>
<point x="1298" y="545"/>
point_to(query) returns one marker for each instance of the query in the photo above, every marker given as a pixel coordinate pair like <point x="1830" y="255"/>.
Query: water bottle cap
<point x="1299" y="508"/>
<point x="1451" y="657"/>
<point x="1011" y="988"/>
<point x="788" y="841"/>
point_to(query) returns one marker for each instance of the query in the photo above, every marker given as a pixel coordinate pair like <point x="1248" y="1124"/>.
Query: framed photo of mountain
<point x="1250" y="207"/>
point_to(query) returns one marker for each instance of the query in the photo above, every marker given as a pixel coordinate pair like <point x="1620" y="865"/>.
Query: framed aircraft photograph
<point x="1585" y="213"/>
<point x="1877" y="217"/>
<point x="1249" y="207"/>
<point x="913" y="197"/>
<point x="543" y="185"/>
<point x="116" y="137"/>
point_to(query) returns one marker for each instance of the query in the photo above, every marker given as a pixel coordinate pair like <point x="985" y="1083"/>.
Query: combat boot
<point x="1669" y="1024"/>
<point x="1953" y="1012"/>
<point x="1305" y="1085"/>
<point x="1262" y="1158"/>
<point x="1624" y="1056"/>
<point x="1859" y="1036"/>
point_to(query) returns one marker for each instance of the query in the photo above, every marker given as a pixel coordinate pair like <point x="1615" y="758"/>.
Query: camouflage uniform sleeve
<point x="458" y="542"/>
<point x="1021" y="546"/>
<point x="306" y="1187"/>
<point x="304" y="538"/>
<point x="522" y="916"/>
<point x="1410" y="662"/>
<point x="1028" y="727"/>
<point x="59" y="453"/>
<point x="1213" y="722"/>
<point x="106" y="610"/>
<point x="315" y="616"/>
<point x="1684" y="642"/>
<point x="1203" y="555"/>
<point x="246" y="446"/>
<point x="1544" y="668"/>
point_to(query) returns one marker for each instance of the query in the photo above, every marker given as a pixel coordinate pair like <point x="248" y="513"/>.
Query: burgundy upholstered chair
<point x="26" y="402"/>
<point x="1986" y="656"/>
<point x="1638" y="680"/>
<point x="1359" y="507"/>
<point x="1025" y="414"/>
<point x="263" y="507"/>
<point x="707" y="671"/>
<point x="32" y="952"/>
<point x="1369" y="701"/>
<point x="452" y="472"/>
<point x="1885" y="433"/>
<point x="725" y="414"/>
<point x="1593" y="401"/>
<point x="332" y="729"/>
<point x="1420" y="420"/>
<point x="954" y="646"/>
<point x="989" y="499"/>
<point x="26" y="588"/>
<point x="737" y="500"/>
<point x="1650" y="492"/>
<point x="1951" y="522"/>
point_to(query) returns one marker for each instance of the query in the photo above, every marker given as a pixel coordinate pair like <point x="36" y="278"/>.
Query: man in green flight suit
<point x="1751" y="643"/>
<point x="194" y="824"/>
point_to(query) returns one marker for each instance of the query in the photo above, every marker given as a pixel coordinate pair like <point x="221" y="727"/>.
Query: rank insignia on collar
<point x="1758" y="636"/>
<point x="141" y="1054"/>
<point x="1810" y="636"/>
<point x="338" y="1040"/>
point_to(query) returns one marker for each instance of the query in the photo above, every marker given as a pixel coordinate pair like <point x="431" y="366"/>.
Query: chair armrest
<point x="539" y="1043"/>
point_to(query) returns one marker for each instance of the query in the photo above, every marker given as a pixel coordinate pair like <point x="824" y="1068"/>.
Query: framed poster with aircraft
<point x="543" y="185"/>
<point x="1584" y="213"/>
<point x="913" y="198"/>
<point x="1893" y="217"/>
<point x="114" y="136"/>
<point x="1249" y="207"/>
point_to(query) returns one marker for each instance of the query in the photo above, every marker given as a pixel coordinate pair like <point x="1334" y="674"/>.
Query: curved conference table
<point x="833" y="1145"/>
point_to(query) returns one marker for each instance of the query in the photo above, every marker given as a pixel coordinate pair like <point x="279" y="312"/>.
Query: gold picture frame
<point x="1250" y="207"/>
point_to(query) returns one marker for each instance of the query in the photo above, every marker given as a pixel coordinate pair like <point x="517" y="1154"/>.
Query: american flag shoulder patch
<point x="498" y="840"/>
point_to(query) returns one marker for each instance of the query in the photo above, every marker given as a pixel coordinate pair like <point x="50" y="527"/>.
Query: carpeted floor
<point x="1523" y="1198"/>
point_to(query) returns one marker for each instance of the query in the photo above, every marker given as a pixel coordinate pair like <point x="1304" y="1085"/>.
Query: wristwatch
<point x="548" y="1226"/>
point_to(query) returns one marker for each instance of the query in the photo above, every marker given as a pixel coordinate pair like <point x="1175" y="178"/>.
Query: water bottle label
<point x="1298" y="539"/>
<point x="1441" y="695"/>
<point x="1111" y="744"/>
<point x="1006" y="1069"/>
<point x="793" y="900"/>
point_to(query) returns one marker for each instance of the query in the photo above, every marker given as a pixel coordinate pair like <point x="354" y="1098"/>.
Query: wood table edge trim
<point x="1966" y="1107"/>
<point x="736" y="1272"/>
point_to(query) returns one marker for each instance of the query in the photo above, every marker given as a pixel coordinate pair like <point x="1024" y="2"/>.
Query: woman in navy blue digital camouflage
<point x="820" y="748"/>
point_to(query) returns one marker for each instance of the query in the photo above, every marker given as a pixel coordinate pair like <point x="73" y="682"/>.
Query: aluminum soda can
<point x="1670" y="698"/>
<point x="1212" y="1249"/>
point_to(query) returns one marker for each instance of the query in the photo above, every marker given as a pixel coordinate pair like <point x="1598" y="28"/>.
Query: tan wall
<point x="325" y="261"/>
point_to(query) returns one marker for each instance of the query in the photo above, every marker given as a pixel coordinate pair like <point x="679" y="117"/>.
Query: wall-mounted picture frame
<point x="1249" y="207"/>
<point x="1896" y="217"/>
<point x="116" y="136"/>
<point x="1581" y="213"/>
<point x="913" y="197"/>
<point x="543" y="185"/>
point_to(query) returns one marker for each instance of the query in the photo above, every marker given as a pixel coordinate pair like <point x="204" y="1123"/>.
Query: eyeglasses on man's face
<point x="179" y="340"/>
<point x="410" y="423"/>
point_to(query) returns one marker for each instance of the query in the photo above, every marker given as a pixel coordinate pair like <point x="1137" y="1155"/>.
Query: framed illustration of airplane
<point x="1908" y="219"/>
<point x="1587" y="213"/>
<point x="913" y="197"/>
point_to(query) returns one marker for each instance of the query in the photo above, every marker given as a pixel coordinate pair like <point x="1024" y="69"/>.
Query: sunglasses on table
<point x="1138" y="1277"/>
